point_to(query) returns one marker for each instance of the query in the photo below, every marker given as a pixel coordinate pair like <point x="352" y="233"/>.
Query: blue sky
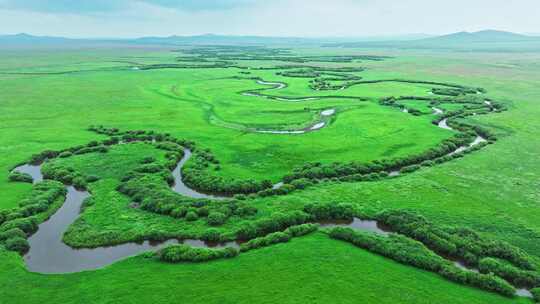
<point x="312" y="18"/>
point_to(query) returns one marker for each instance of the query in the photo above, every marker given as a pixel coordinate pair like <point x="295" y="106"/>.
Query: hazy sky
<point x="358" y="18"/>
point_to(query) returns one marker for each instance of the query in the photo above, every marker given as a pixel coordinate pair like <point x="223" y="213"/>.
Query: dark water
<point x="48" y="254"/>
<point x="356" y="223"/>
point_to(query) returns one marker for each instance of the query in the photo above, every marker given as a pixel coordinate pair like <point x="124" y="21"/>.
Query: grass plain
<point x="50" y="98"/>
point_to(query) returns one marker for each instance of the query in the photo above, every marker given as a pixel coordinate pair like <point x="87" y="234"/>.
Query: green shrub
<point x="244" y="210"/>
<point x="179" y="212"/>
<point x="79" y="182"/>
<point x="16" y="176"/>
<point x="460" y="243"/>
<point x="216" y="218"/>
<point x="184" y="253"/>
<point x="3" y="216"/>
<point x="192" y="216"/>
<point x="276" y="222"/>
<point x="11" y="233"/>
<point x="28" y="225"/>
<point x="148" y="159"/>
<point x="65" y="154"/>
<point x="488" y="282"/>
<point x="202" y="211"/>
<point x="300" y="230"/>
<point x="92" y="178"/>
<point x="17" y="244"/>
<point x="150" y="168"/>
<point x="518" y="277"/>
<point x="211" y="235"/>
<point x="536" y="294"/>
<point x="329" y="211"/>
<point x="270" y="239"/>
<point x="407" y="251"/>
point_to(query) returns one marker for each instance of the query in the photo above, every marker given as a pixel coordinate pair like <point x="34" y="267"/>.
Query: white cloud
<point x="278" y="18"/>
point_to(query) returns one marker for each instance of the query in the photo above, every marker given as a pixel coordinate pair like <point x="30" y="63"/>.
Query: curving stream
<point x="443" y="124"/>
<point x="321" y="123"/>
<point x="181" y="188"/>
<point x="49" y="254"/>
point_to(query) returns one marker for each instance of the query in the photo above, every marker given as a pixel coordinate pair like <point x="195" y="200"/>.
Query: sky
<point x="299" y="18"/>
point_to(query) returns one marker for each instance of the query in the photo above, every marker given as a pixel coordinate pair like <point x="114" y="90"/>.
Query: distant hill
<point x="24" y="38"/>
<point x="488" y="40"/>
<point x="207" y="39"/>
<point x="224" y="39"/>
<point x="487" y="36"/>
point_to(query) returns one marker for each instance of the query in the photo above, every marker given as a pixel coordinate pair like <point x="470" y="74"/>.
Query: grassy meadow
<point x="50" y="98"/>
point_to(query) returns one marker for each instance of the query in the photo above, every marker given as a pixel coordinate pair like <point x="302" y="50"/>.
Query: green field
<point x="49" y="99"/>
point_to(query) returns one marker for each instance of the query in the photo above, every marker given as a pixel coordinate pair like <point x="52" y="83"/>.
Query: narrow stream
<point x="522" y="292"/>
<point x="275" y="86"/>
<point x="443" y="124"/>
<point x="33" y="170"/>
<point x="181" y="188"/>
<point x="321" y="123"/>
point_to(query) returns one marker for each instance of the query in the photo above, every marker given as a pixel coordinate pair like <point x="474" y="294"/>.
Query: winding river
<point x="443" y="124"/>
<point x="49" y="254"/>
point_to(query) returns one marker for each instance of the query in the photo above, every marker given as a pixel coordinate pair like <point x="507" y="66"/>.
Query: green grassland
<point x="49" y="99"/>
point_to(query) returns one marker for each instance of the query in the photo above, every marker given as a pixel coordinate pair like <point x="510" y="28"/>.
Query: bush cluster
<point x="373" y="171"/>
<point x="15" y="176"/>
<point x="518" y="277"/>
<point x="198" y="176"/>
<point x="66" y="175"/>
<point x="275" y="222"/>
<point x="149" y="186"/>
<point x="329" y="211"/>
<point x="18" y="223"/>
<point x="453" y="91"/>
<point x="407" y="251"/>
<point x="279" y="237"/>
<point x="459" y="243"/>
<point x="184" y="253"/>
<point x="536" y="294"/>
<point x="18" y="244"/>
<point x="39" y="200"/>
